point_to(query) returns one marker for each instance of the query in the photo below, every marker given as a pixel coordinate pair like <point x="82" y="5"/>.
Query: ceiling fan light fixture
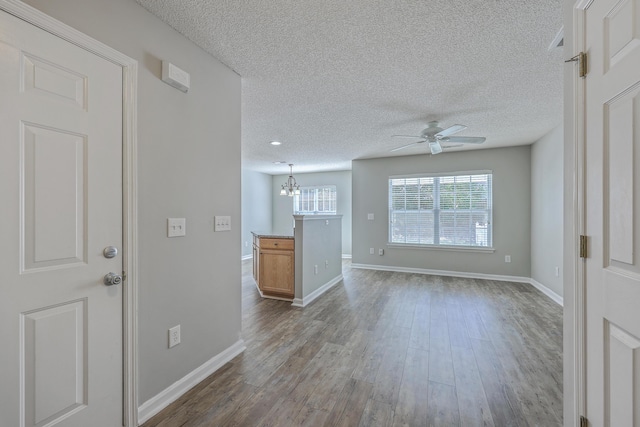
<point x="434" y="135"/>
<point x="435" y="147"/>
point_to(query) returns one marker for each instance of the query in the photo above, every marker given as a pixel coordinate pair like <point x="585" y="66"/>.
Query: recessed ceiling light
<point x="275" y="143"/>
<point x="280" y="162"/>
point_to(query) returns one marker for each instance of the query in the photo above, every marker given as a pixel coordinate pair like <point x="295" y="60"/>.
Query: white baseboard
<point x="303" y="302"/>
<point x="548" y="292"/>
<point x="163" y="399"/>
<point x="503" y="278"/>
<point x="262" y="295"/>
<point x="276" y="298"/>
<point x="346" y="256"/>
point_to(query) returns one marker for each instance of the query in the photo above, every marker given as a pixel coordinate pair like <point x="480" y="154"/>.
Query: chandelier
<point x="290" y="187"/>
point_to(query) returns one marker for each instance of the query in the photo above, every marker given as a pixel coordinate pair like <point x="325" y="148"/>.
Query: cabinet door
<point x="276" y="272"/>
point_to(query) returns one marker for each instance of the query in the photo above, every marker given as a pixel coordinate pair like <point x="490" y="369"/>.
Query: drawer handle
<point x="275" y="244"/>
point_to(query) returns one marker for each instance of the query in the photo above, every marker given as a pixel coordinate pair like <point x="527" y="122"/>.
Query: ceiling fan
<point x="436" y="136"/>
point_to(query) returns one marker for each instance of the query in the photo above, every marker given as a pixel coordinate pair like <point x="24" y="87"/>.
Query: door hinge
<point x="581" y="59"/>
<point x="583" y="421"/>
<point x="583" y="246"/>
<point x="124" y="276"/>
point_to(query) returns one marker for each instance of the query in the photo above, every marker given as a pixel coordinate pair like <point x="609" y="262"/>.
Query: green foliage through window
<point x="441" y="210"/>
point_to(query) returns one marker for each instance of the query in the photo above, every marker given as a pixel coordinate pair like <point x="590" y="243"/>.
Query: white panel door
<point x="612" y="197"/>
<point x="61" y="205"/>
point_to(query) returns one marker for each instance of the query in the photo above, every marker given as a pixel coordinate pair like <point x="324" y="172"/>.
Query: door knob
<point x="110" y="252"/>
<point x="111" y="279"/>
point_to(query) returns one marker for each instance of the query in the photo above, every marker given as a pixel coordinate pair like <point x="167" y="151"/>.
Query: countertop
<point x="262" y="235"/>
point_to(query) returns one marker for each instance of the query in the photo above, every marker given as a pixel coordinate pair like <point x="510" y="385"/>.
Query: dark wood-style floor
<point x="388" y="349"/>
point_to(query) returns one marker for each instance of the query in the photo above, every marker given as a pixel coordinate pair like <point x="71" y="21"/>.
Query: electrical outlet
<point x="557" y="271"/>
<point x="326" y="263"/>
<point x="380" y="252"/>
<point x="507" y="258"/>
<point x="370" y="217"/>
<point x="174" y="336"/>
<point x="246" y="244"/>
<point x="372" y="251"/>
<point x="315" y="269"/>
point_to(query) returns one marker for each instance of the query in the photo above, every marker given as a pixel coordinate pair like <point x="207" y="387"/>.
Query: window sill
<point x="442" y="248"/>
<point x="315" y="213"/>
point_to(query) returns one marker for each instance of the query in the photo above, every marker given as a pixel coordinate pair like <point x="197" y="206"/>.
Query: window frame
<point x="437" y="211"/>
<point x="316" y="188"/>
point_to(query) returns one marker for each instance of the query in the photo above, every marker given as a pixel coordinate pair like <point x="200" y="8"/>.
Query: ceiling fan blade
<point x="435" y="147"/>
<point x="405" y="146"/>
<point x="464" y="139"/>
<point x="407" y="136"/>
<point x="450" y="130"/>
<point x="446" y="147"/>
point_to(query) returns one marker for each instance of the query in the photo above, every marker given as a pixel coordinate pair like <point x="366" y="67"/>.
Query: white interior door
<point x="61" y="193"/>
<point x="612" y="198"/>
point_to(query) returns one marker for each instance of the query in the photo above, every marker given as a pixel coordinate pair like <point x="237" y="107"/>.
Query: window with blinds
<point x="316" y="200"/>
<point x="441" y="210"/>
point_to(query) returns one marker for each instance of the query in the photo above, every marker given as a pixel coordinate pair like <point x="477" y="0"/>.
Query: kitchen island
<point x="274" y="265"/>
<point x="299" y="267"/>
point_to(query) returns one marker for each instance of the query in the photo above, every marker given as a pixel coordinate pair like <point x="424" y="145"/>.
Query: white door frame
<point x="129" y="184"/>
<point x="575" y="283"/>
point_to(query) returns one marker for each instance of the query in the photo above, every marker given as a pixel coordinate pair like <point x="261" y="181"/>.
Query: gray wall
<point x="318" y="243"/>
<point x="511" y="215"/>
<point x="283" y="206"/>
<point x="189" y="166"/>
<point x="256" y="207"/>
<point x="546" y="210"/>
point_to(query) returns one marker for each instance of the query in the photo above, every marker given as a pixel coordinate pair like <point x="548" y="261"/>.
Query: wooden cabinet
<point x="276" y="272"/>
<point x="273" y="265"/>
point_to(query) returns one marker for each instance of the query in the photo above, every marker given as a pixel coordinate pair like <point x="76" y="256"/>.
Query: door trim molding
<point x="577" y="354"/>
<point x="129" y="183"/>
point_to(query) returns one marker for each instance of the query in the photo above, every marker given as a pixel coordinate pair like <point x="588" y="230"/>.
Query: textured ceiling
<point x="333" y="80"/>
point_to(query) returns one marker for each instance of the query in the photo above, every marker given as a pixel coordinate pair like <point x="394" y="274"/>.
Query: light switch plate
<point x="221" y="223"/>
<point x="370" y="217"/>
<point x="176" y="227"/>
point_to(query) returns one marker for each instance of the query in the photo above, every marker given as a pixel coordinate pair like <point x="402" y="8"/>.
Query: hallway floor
<point x="388" y="349"/>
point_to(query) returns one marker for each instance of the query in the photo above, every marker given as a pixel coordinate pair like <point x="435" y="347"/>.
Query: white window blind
<point x="441" y="210"/>
<point x="316" y="200"/>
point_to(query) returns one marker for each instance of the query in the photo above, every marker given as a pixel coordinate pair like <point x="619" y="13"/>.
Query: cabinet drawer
<point x="284" y="244"/>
